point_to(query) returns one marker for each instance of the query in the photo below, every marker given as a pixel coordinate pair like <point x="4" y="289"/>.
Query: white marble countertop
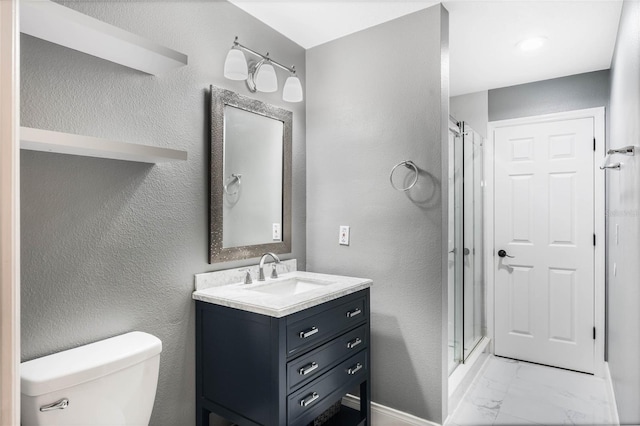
<point x="250" y="297"/>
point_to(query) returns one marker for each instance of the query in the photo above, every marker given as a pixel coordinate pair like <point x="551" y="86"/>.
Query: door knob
<point x="503" y="253"/>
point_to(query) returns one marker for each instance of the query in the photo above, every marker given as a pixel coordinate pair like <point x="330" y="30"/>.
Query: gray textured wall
<point x="574" y="92"/>
<point x="111" y="246"/>
<point x="366" y="112"/>
<point x="473" y="109"/>
<point x="624" y="211"/>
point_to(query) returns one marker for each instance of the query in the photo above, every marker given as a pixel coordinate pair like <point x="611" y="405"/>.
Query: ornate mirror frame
<point x="219" y="99"/>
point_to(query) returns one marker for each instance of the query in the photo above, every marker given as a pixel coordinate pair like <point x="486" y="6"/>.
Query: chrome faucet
<point x="274" y="273"/>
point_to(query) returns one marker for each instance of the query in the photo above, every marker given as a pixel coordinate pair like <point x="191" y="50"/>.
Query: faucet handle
<point x="274" y="272"/>
<point x="247" y="277"/>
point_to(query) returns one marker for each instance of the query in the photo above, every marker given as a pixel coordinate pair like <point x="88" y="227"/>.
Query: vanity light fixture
<point x="261" y="76"/>
<point x="235" y="66"/>
<point x="531" y="43"/>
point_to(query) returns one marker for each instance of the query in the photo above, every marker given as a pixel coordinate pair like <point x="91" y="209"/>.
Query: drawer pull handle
<point x="308" y="333"/>
<point x="307" y="369"/>
<point x="355" y="342"/>
<point x="354" y="313"/>
<point x="353" y="370"/>
<point x="309" y="399"/>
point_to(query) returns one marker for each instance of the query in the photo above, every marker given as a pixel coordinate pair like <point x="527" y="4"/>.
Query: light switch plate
<point x="276" y="232"/>
<point x="343" y="238"/>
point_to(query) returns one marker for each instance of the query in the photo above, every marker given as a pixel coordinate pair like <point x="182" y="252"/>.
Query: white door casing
<point x="9" y="214"/>
<point x="544" y="216"/>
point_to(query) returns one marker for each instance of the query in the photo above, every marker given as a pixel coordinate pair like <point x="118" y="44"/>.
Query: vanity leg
<point x="202" y="416"/>
<point x="365" y="401"/>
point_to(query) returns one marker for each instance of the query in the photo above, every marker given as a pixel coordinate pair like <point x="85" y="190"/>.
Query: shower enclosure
<point x="465" y="258"/>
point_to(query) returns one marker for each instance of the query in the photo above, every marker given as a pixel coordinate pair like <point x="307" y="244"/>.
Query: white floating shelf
<point x="53" y="22"/>
<point x="66" y="143"/>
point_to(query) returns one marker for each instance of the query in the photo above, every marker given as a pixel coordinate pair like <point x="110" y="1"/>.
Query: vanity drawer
<point x="318" y="361"/>
<point x="320" y="394"/>
<point x="313" y="330"/>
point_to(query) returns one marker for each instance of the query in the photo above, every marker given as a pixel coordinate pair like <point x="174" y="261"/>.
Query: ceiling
<point x="483" y="34"/>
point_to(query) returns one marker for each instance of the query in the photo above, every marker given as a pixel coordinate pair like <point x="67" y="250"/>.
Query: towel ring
<point x="409" y="165"/>
<point x="234" y="177"/>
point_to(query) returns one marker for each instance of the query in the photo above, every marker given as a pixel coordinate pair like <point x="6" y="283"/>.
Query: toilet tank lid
<point x="82" y="364"/>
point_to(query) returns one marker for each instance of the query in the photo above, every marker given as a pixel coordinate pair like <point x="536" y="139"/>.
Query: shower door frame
<point x="598" y="116"/>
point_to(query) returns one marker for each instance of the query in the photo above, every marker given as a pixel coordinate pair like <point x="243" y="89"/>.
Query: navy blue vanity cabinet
<point x="254" y="369"/>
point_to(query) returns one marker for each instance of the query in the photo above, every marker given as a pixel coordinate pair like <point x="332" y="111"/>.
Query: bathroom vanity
<point x="284" y="351"/>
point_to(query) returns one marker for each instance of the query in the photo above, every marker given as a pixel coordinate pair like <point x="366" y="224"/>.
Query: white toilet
<point x="110" y="382"/>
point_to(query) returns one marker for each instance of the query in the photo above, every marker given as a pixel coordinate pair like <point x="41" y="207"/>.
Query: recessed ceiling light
<point x="531" y="43"/>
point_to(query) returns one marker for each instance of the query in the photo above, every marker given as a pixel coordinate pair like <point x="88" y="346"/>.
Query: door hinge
<point x="594" y="333"/>
<point x="594" y="240"/>
<point x="594" y="144"/>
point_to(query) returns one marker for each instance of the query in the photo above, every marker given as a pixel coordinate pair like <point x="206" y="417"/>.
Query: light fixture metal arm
<point x="266" y="57"/>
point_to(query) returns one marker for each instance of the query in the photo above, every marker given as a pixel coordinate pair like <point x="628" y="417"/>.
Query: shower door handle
<point x="503" y="253"/>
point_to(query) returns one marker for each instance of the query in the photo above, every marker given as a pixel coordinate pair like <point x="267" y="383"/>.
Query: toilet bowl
<point x="110" y="382"/>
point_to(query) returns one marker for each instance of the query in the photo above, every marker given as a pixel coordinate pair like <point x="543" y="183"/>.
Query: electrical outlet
<point x="343" y="238"/>
<point x="275" y="231"/>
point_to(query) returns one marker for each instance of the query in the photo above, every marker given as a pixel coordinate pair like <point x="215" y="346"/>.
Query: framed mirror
<point x="250" y="177"/>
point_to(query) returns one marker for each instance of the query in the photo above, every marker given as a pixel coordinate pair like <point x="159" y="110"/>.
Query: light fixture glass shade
<point x="292" y="91"/>
<point x="235" y="66"/>
<point x="265" y="78"/>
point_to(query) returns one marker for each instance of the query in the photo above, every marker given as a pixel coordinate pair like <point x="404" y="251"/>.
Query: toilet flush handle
<point x="58" y="405"/>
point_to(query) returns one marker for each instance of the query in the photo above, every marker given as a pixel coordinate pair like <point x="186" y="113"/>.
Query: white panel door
<point x="544" y="218"/>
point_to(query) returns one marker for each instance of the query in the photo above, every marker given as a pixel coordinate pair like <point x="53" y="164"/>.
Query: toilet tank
<point x="110" y="382"/>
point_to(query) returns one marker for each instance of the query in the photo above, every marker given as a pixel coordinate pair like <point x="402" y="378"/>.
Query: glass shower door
<point x="465" y="229"/>
<point x="473" y="287"/>
<point x="455" y="242"/>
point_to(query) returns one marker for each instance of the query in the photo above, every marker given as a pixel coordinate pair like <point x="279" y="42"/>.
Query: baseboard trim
<point x="382" y="415"/>
<point x="611" y="395"/>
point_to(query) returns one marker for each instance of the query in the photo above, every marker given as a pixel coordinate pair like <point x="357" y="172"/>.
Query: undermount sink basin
<point x="290" y="286"/>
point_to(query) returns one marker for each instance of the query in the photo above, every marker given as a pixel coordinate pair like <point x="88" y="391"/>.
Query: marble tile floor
<point x="508" y="392"/>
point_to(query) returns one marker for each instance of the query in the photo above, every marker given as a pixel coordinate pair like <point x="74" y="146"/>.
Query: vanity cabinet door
<point x="315" y="329"/>
<point x="240" y="364"/>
